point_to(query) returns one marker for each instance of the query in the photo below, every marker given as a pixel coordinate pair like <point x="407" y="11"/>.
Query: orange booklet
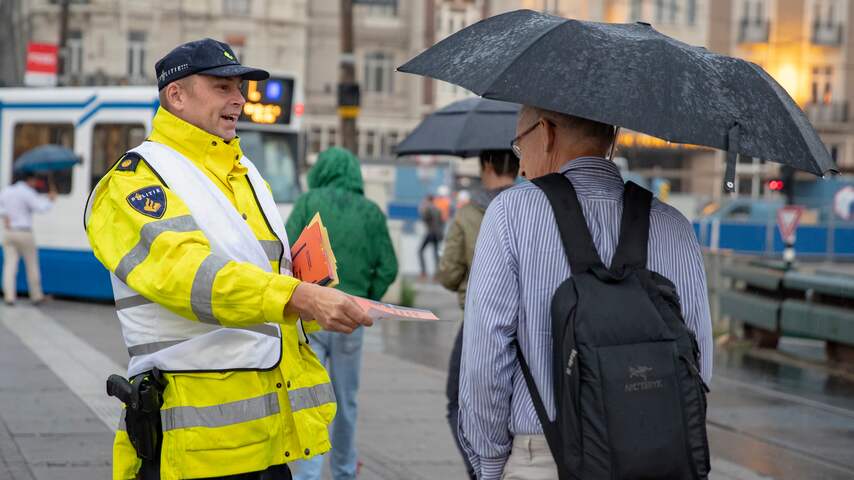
<point x="312" y="257"/>
<point x="314" y="262"/>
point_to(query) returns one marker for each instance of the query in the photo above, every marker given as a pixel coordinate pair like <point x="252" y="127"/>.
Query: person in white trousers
<point x="18" y="203"/>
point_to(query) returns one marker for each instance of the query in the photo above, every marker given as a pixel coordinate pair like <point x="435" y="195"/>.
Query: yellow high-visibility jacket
<point x="241" y="421"/>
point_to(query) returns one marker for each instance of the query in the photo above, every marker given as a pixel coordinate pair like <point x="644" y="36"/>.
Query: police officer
<point x="199" y="261"/>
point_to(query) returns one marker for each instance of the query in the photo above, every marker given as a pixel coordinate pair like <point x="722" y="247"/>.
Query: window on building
<point x="136" y="55"/>
<point x="237" y="7"/>
<point x="314" y="140"/>
<point x="745" y="187"/>
<point x="74" y="46"/>
<point x="635" y="10"/>
<point x="331" y="137"/>
<point x="370" y="144"/>
<point x="822" y="84"/>
<point x="834" y="153"/>
<point x="691" y="12"/>
<point x="391" y="142"/>
<point x="28" y="136"/>
<point x="825" y="12"/>
<point x="753" y="11"/>
<point x="666" y="11"/>
<point x="379" y="71"/>
<point x="109" y="142"/>
<point x="760" y="12"/>
<point x="388" y="8"/>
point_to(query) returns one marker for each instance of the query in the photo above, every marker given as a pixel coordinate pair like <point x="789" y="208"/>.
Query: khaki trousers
<point x="530" y="459"/>
<point x="15" y="245"/>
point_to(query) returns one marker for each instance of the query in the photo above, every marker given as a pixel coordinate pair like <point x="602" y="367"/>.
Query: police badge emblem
<point x="149" y="201"/>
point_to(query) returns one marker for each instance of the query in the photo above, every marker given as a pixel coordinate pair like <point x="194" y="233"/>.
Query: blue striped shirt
<point x="519" y="262"/>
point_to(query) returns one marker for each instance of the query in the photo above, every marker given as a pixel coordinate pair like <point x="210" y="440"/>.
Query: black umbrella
<point x="632" y="76"/>
<point x="464" y="129"/>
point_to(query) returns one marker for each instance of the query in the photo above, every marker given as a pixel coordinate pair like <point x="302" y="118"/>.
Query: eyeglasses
<point x="514" y="145"/>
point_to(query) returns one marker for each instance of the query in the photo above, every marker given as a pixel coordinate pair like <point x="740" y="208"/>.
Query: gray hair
<point x="597" y="133"/>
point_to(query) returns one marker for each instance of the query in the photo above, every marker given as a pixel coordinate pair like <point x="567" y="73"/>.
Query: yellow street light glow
<point x="787" y="75"/>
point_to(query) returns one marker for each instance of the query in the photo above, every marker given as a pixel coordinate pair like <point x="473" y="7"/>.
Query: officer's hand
<point x="334" y="310"/>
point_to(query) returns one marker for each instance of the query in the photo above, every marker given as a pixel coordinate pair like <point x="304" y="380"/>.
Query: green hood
<point x="337" y="168"/>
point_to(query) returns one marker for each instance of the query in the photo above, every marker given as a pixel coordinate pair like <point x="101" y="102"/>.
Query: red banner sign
<point x="42" y="58"/>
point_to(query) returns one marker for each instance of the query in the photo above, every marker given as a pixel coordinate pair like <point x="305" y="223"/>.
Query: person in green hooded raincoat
<point x="366" y="267"/>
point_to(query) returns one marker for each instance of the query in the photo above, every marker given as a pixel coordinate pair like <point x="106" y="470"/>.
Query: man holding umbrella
<point x="18" y="202"/>
<point x="577" y="81"/>
<point x="518" y="265"/>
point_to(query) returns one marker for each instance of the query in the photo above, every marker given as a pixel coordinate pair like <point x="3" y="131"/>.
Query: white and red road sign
<point x="787" y="221"/>
<point x="42" y="64"/>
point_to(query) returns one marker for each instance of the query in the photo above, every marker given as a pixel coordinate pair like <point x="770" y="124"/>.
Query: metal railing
<point x="769" y="301"/>
<point x="833" y="112"/>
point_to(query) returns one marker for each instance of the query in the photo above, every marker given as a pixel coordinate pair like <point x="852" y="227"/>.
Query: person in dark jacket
<point x="367" y="265"/>
<point x="434" y="226"/>
<point x="498" y="171"/>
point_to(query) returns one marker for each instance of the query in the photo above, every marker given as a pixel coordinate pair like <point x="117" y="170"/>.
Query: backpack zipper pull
<point x="571" y="361"/>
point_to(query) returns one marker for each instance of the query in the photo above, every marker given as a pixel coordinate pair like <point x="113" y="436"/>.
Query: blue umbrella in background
<point x="47" y="158"/>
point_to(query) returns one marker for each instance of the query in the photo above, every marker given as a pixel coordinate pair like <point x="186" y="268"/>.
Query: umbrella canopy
<point x="464" y="129"/>
<point x="631" y="76"/>
<point x="47" y="158"/>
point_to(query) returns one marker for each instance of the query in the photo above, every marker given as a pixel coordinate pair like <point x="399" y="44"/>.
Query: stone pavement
<point x="56" y="424"/>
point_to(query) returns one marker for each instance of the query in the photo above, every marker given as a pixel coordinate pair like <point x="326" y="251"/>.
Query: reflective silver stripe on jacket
<point x="263" y="328"/>
<point x="273" y="249"/>
<point x="122" y="427"/>
<point x="147" y="234"/>
<point x="220" y="415"/>
<point x="153" y="347"/>
<point x="132" y="301"/>
<point x="200" y="295"/>
<point x="310" y="397"/>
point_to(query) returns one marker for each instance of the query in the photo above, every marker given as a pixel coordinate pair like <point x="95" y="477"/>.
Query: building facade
<point x="804" y="44"/>
<point x="117" y="42"/>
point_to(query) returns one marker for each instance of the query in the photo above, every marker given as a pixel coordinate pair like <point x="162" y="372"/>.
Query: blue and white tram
<point x="100" y="124"/>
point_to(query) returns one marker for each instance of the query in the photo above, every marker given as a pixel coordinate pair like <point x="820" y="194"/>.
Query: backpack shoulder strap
<point x="634" y="229"/>
<point x="577" y="242"/>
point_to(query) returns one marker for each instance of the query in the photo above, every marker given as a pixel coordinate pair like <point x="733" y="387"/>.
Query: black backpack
<point x="629" y="398"/>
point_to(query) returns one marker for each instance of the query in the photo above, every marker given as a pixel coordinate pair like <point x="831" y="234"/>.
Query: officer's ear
<point x="175" y="95"/>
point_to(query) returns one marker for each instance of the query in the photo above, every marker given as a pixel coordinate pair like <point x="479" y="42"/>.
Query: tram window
<point x="32" y="135"/>
<point x="109" y="142"/>
<point x="274" y="154"/>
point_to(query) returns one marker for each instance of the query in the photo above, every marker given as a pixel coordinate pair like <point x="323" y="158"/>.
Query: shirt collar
<point x="206" y="150"/>
<point x="593" y="175"/>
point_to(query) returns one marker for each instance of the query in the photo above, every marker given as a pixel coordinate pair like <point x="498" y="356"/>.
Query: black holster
<point x="143" y="397"/>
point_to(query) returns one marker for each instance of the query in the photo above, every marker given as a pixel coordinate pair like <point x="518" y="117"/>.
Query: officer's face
<point x="213" y="104"/>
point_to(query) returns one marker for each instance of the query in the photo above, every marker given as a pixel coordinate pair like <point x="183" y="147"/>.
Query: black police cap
<point x="207" y="57"/>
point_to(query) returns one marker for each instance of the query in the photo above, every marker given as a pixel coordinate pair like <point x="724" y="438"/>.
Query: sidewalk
<point x="56" y="423"/>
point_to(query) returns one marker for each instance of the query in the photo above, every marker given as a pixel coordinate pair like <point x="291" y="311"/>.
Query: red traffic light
<point x="775" y="185"/>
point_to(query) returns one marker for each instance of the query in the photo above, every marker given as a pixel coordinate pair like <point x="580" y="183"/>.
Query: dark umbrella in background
<point x="47" y="158"/>
<point x="463" y="129"/>
<point x="632" y="76"/>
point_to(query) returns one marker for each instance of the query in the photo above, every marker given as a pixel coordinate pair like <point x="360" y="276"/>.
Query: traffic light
<point x="776" y="185"/>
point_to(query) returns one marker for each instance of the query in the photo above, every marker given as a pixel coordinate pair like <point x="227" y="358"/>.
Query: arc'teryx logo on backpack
<point x="642" y="372"/>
